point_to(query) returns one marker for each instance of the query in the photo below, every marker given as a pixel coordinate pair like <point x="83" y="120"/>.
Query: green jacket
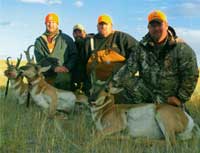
<point x="64" y="53"/>
<point x="167" y="70"/>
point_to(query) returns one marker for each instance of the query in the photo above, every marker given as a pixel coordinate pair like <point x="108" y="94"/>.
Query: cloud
<point x="186" y="9"/>
<point x="192" y="37"/>
<point x="79" y="4"/>
<point x="34" y="1"/>
<point x="190" y="9"/>
<point x="42" y="1"/>
<point x="5" y="24"/>
<point x="55" y="2"/>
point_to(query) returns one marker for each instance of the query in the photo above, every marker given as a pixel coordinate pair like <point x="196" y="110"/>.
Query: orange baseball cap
<point x="52" y="17"/>
<point x="104" y="18"/>
<point x="157" y="15"/>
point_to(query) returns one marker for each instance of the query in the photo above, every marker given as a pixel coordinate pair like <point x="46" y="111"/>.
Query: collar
<point x="170" y="41"/>
<point x="52" y="36"/>
<point x="34" y="81"/>
<point x="98" y="35"/>
<point x="47" y="34"/>
<point x="16" y="82"/>
<point x="95" y="107"/>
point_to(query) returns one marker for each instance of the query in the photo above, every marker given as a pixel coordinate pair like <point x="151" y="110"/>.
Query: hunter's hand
<point x="174" y="101"/>
<point x="61" y="69"/>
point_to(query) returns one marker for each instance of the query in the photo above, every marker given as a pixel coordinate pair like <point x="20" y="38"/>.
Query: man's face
<point x="104" y="29"/>
<point x="79" y="34"/>
<point x="158" y="30"/>
<point x="51" y="26"/>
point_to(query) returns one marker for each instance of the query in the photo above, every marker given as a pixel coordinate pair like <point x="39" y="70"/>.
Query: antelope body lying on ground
<point x="20" y="89"/>
<point x="45" y="95"/>
<point x="154" y="121"/>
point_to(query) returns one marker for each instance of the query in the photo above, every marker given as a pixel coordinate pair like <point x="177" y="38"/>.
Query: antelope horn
<point x="7" y="61"/>
<point x="18" y="61"/>
<point x="28" y="57"/>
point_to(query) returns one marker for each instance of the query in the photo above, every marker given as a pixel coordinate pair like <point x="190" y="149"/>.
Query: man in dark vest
<point x="106" y="51"/>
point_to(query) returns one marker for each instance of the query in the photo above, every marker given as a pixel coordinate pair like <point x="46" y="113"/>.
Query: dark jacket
<point x="121" y="42"/>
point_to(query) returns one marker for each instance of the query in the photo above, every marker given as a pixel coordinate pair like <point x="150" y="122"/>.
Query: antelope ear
<point x="43" y="69"/>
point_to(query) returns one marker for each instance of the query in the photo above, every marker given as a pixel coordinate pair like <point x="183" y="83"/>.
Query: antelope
<point x="20" y="89"/>
<point x="43" y="94"/>
<point x="153" y="121"/>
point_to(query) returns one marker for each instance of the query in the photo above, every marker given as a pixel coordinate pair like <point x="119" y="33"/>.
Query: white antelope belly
<point x="141" y="122"/>
<point x="66" y="100"/>
<point x="42" y="100"/>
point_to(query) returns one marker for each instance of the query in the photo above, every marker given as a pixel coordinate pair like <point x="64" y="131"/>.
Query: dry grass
<point x="28" y="130"/>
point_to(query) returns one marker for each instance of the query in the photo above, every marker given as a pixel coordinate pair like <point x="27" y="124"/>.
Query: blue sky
<point x="21" y="21"/>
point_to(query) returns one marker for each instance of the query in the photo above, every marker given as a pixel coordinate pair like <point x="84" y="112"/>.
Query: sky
<point x="22" y="21"/>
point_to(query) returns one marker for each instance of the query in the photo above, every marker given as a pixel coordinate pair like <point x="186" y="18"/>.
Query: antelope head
<point x="12" y="70"/>
<point x="31" y="70"/>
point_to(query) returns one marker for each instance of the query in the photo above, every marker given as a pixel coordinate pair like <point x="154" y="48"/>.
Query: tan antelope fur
<point x="45" y="95"/>
<point x="153" y="121"/>
<point x="20" y="89"/>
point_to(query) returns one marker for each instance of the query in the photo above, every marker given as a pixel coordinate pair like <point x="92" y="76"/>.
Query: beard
<point x="156" y="36"/>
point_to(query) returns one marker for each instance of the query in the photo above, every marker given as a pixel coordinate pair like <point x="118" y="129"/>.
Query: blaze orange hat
<point x="52" y="17"/>
<point x="104" y="18"/>
<point x="157" y="15"/>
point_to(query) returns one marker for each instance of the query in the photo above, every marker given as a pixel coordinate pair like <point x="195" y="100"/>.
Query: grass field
<point x="28" y="130"/>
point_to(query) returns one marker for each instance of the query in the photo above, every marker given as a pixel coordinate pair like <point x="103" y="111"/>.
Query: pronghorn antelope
<point x="154" y="121"/>
<point x="16" y="80"/>
<point x="45" y="95"/>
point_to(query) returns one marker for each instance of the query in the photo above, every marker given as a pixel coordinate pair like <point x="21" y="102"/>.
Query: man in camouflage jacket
<point x="167" y="67"/>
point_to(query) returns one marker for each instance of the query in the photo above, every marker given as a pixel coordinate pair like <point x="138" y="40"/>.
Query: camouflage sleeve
<point x="128" y="70"/>
<point x="188" y="72"/>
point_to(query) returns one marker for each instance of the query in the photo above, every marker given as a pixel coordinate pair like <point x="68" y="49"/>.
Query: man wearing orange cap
<point x="107" y="51"/>
<point x="58" y="50"/>
<point x="167" y="67"/>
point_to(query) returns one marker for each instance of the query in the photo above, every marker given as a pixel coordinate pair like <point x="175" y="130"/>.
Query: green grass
<point x="28" y="130"/>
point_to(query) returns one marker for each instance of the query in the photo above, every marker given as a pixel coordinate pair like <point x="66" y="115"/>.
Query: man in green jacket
<point x="58" y="50"/>
<point x="106" y="51"/>
<point x="167" y="67"/>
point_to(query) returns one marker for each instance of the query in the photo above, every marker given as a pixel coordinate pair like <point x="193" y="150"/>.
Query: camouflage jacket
<point x="170" y="69"/>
